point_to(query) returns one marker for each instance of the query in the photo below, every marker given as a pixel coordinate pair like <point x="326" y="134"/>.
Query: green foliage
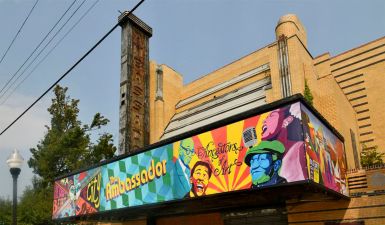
<point x="104" y="149"/>
<point x="65" y="147"/>
<point x="5" y="211"/>
<point x="307" y="94"/>
<point x="67" y="144"/>
<point x="35" y="206"/>
<point x="370" y="157"/>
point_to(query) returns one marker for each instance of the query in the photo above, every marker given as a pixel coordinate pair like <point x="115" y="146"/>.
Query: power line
<point x="45" y="57"/>
<point x="18" y="32"/>
<point x="41" y="50"/>
<point x="71" y="68"/>
<point x="38" y="46"/>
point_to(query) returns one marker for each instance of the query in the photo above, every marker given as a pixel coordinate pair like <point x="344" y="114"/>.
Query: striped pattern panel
<point x="348" y="70"/>
<point x="370" y="209"/>
<point x="223" y="85"/>
<point x="218" y="108"/>
<point x="367" y="182"/>
<point x="357" y="182"/>
<point x="367" y="189"/>
<point x="354" y="88"/>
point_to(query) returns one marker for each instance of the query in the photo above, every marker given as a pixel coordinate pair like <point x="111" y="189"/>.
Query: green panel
<point x="113" y="204"/>
<point x="122" y="166"/>
<point x="134" y="159"/>
<point x="138" y="194"/>
<point x="166" y="179"/>
<point x="160" y="198"/>
<point x="110" y="172"/>
<point x="125" y="200"/>
<point x="152" y="187"/>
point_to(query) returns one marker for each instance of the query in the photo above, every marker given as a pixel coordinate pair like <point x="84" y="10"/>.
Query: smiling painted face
<point x="199" y="179"/>
<point x="272" y="124"/>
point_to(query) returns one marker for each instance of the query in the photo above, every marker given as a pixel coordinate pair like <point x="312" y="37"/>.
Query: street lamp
<point x="14" y="162"/>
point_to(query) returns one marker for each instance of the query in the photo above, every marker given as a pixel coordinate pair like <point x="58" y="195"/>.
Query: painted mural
<point x="325" y="154"/>
<point x="78" y="194"/>
<point x="261" y="151"/>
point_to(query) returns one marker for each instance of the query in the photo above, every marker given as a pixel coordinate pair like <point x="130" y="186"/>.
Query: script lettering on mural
<point x="93" y="190"/>
<point x="218" y="153"/>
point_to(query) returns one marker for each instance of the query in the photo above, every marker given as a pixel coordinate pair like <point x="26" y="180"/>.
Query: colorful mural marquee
<point x="285" y="145"/>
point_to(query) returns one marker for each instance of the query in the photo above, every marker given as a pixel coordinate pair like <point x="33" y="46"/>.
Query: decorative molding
<point x="284" y="70"/>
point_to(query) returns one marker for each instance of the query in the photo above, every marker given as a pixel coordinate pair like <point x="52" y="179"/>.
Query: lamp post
<point x="14" y="162"/>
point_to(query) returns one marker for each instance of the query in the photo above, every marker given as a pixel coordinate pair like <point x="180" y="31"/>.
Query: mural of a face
<point x="199" y="180"/>
<point x="186" y="150"/>
<point x="262" y="167"/>
<point x="272" y="124"/>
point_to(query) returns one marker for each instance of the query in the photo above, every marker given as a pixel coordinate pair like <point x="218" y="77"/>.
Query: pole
<point x="15" y="173"/>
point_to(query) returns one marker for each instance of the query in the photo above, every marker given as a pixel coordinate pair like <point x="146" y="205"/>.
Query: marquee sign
<point x="281" y="146"/>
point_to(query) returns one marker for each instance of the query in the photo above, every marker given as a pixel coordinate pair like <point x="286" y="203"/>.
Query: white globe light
<point x="15" y="160"/>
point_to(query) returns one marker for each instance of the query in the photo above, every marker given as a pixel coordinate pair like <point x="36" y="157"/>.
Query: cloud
<point x="23" y="135"/>
<point x="29" y="129"/>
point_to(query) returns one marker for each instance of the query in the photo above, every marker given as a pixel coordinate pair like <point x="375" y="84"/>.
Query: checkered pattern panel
<point x="157" y="190"/>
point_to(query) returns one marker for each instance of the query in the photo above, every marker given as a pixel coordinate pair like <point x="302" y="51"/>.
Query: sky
<point x="194" y="37"/>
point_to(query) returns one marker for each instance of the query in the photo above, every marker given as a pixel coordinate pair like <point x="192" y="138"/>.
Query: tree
<point x="65" y="147"/>
<point x="370" y="157"/>
<point x="307" y="93"/>
<point x="35" y="206"/>
<point x="5" y="211"/>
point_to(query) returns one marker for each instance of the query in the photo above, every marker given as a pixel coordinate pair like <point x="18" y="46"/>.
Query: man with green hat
<point x="264" y="161"/>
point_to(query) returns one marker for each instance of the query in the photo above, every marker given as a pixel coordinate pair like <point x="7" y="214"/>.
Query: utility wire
<point x="71" y="68"/>
<point x="41" y="50"/>
<point x="18" y="32"/>
<point x="45" y="57"/>
<point x="37" y="46"/>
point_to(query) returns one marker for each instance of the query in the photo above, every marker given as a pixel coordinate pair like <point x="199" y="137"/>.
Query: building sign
<point x="134" y="84"/>
<point x="282" y="146"/>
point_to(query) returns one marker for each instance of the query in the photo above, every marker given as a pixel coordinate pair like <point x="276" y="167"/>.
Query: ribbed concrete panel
<point x="259" y="85"/>
<point x="219" y="108"/>
<point x="224" y="85"/>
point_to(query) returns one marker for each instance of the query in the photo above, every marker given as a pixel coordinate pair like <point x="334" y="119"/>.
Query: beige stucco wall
<point x="162" y="110"/>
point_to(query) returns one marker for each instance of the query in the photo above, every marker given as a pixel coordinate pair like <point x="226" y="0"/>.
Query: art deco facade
<point x="347" y="88"/>
<point x="224" y="124"/>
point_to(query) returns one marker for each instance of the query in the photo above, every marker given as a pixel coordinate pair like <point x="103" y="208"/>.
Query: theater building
<point x="240" y="145"/>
